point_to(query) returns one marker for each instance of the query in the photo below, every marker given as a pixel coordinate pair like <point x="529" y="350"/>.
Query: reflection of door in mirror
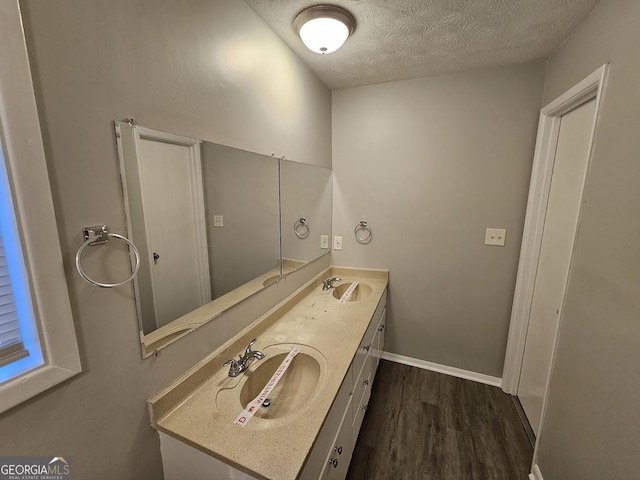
<point x="171" y="198"/>
<point x="205" y="218"/>
<point x="167" y="223"/>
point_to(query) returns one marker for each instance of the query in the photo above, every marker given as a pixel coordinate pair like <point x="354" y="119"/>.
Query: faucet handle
<point x="249" y="351"/>
<point x="233" y="362"/>
<point x="253" y="354"/>
<point x="234" y="367"/>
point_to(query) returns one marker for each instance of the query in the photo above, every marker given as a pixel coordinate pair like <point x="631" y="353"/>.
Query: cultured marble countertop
<point x="187" y="408"/>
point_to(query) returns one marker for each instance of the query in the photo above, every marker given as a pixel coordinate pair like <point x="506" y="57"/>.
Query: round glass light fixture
<point x="324" y="28"/>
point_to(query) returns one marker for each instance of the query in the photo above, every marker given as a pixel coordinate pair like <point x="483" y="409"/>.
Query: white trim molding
<point x="195" y="167"/>
<point x="548" y="131"/>
<point x="535" y="474"/>
<point x="445" y="369"/>
<point x="35" y="215"/>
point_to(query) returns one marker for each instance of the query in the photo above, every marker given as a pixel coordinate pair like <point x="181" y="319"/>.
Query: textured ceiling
<point x="402" y="39"/>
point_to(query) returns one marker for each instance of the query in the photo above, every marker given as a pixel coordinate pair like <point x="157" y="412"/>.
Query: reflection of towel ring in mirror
<point x="301" y="228"/>
<point x="363" y="232"/>
<point x="96" y="236"/>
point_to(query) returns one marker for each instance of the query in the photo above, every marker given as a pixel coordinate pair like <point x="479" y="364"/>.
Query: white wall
<point x="305" y="192"/>
<point x="243" y="188"/>
<point x="204" y="68"/>
<point x="430" y="163"/>
<point x="591" y="427"/>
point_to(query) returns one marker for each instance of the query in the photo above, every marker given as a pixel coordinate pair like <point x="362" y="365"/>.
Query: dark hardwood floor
<point x="422" y="425"/>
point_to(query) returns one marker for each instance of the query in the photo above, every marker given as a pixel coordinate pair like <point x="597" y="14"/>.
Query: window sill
<point x="26" y="386"/>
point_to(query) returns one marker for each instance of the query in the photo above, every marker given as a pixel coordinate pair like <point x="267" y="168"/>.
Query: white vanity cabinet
<point x="196" y="436"/>
<point x="337" y="454"/>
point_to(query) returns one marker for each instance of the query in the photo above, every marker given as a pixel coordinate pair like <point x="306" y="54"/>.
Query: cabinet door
<point x="379" y="341"/>
<point x="181" y="461"/>
<point x="375" y="350"/>
<point x="364" y="382"/>
<point x="360" y="410"/>
<point x="316" y="462"/>
<point x="340" y="456"/>
<point x="364" y="351"/>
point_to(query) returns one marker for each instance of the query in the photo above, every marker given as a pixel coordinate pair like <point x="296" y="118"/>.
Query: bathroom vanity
<point x="314" y="413"/>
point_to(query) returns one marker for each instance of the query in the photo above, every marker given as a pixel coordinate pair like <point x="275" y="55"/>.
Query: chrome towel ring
<point x="363" y="232"/>
<point x="301" y="228"/>
<point x="98" y="235"/>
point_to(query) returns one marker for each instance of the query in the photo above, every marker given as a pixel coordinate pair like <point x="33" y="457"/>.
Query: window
<point x="19" y="342"/>
<point x="38" y="347"/>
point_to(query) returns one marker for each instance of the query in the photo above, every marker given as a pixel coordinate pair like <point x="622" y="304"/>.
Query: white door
<point x="560" y="228"/>
<point x="168" y="193"/>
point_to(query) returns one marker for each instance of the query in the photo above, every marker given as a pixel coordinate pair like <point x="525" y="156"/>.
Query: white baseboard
<point x="535" y="474"/>
<point x="436" y="367"/>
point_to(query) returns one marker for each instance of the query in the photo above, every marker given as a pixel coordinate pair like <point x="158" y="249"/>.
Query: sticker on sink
<point x="347" y="294"/>
<point x="253" y="406"/>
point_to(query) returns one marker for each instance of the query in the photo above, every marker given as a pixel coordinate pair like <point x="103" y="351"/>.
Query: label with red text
<point x="348" y="293"/>
<point x="253" y="406"/>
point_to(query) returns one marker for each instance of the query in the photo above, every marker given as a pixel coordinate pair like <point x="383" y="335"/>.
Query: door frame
<point x="195" y="167"/>
<point x="195" y="163"/>
<point x="545" y="151"/>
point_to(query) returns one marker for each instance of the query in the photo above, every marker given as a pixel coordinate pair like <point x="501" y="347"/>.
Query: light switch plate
<point x="337" y="243"/>
<point x="218" y="221"/>
<point x="495" y="236"/>
<point x="324" y="241"/>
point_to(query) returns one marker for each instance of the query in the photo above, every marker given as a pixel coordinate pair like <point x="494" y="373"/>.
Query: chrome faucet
<point x="328" y="283"/>
<point x="236" y="367"/>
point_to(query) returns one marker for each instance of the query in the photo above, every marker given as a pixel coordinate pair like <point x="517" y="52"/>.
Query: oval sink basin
<point x="361" y="292"/>
<point x="270" y="281"/>
<point x="288" y="399"/>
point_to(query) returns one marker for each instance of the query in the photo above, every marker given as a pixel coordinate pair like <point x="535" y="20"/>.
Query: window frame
<point x="33" y="206"/>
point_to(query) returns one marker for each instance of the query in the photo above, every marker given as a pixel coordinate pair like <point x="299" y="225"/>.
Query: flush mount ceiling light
<point x="324" y="28"/>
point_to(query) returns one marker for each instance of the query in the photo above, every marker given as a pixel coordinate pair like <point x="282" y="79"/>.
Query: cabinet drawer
<point x="382" y="330"/>
<point x="366" y="344"/>
<point x="359" y="413"/>
<point x="378" y="341"/>
<point x="382" y="305"/>
<point x="364" y="382"/>
<point x="364" y="351"/>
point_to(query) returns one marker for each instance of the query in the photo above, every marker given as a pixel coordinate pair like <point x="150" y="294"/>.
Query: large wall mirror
<point x="206" y="219"/>
<point x="306" y="212"/>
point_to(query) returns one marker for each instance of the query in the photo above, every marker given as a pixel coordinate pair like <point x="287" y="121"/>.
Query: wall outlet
<point x="218" y="221"/>
<point x="324" y="241"/>
<point x="337" y="243"/>
<point x="495" y="236"/>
